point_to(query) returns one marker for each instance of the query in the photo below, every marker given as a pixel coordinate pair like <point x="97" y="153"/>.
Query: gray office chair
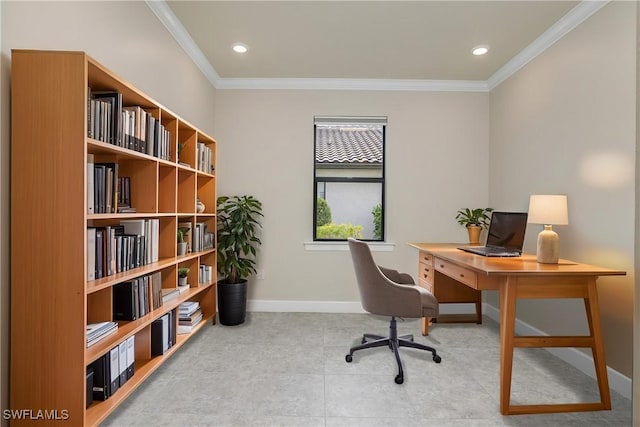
<point x="387" y="292"/>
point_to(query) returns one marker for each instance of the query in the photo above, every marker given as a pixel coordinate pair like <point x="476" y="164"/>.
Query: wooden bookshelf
<point x="52" y="299"/>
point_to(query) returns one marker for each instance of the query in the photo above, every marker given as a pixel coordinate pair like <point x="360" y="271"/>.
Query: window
<point x="349" y="178"/>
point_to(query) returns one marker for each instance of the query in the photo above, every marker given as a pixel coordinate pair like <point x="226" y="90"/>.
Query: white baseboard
<point x="335" y="307"/>
<point x="578" y="359"/>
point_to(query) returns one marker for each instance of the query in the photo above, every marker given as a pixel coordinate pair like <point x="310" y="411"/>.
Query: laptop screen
<point x="507" y="230"/>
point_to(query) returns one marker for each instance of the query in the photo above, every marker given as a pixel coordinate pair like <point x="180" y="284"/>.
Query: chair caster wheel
<point x="437" y="359"/>
<point x="399" y="379"/>
<point x="348" y="358"/>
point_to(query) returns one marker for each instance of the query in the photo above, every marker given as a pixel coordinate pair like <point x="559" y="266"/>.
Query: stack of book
<point x="169" y="293"/>
<point x="131" y="127"/>
<point x="189" y="315"/>
<point x="100" y="330"/>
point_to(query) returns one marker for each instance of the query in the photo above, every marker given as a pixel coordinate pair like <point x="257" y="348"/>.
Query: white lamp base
<point x="548" y="246"/>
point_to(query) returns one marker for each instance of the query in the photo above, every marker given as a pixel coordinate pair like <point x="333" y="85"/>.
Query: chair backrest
<point x="378" y="294"/>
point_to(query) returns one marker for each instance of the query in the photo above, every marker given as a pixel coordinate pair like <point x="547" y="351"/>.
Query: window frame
<point x="325" y="179"/>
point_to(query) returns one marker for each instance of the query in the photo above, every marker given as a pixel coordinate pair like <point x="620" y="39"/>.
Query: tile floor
<point x="288" y="369"/>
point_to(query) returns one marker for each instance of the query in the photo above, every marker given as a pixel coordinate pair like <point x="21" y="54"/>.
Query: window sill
<point x="344" y="246"/>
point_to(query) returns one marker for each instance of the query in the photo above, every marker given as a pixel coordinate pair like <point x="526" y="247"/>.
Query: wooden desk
<point x="525" y="278"/>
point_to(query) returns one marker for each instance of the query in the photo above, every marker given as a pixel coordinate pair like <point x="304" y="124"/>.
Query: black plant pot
<point x="232" y="302"/>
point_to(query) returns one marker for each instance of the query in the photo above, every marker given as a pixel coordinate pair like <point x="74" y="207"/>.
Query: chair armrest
<point x="396" y="276"/>
<point x="406" y="279"/>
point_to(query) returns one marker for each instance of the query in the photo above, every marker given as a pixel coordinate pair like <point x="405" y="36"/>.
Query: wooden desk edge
<point x="524" y="265"/>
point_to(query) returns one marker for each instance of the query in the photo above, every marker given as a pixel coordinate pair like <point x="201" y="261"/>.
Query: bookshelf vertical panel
<point x="168" y="237"/>
<point x="144" y="183"/>
<point x="187" y="145"/>
<point x="186" y="191"/>
<point x="99" y="306"/>
<point x="167" y="197"/>
<point x="171" y="124"/>
<point x="207" y="192"/>
<point x="143" y="345"/>
<point x="208" y="302"/>
<point x="48" y="237"/>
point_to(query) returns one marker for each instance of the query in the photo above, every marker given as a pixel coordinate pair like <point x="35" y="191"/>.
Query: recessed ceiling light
<point x="240" y="47"/>
<point x="480" y="50"/>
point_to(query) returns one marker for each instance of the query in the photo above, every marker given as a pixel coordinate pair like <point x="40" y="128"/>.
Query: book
<point x="124" y="296"/>
<point x="114" y="368"/>
<point x="191" y="319"/>
<point x="160" y="335"/>
<point x="101" y="378"/>
<point x="98" y="183"/>
<point x="99" y="253"/>
<point x="90" y="184"/>
<point x="122" y="362"/>
<point x="156" y="290"/>
<point x="169" y="293"/>
<point x="108" y="189"/>
<point x="91" y="254"/>
<point x="139" y="227"/>
<point x="155" y="239"/>
<point x="186" y="326"/>
<point x="113" y="100"/>
<point x="99" y="331"/>
<point x="89" y="386"/>
<point x="188" y="307"/>
<point x="131" y="356"/>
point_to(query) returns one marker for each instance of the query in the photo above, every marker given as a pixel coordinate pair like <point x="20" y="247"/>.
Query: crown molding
<point x="564" y="25"/>
<point x="356" y="84"/>
<point x="171" y="22"/>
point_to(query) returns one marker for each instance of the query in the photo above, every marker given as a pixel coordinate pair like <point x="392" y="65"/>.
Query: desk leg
<point x="507" y="333"/>
<point x="595" y="329"/>
<point x="425" y="325"/>
<point x="558" y="287"/>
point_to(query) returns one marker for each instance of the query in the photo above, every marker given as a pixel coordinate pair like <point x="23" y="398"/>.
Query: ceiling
<point x="390" y="41"/>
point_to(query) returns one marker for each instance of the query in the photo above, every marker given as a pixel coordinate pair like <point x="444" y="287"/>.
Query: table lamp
<point x="548" y="210"/>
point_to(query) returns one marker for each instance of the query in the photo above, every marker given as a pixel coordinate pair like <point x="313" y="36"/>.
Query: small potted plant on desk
<point x="474" y="220"/>
<point x="238" y="221"/>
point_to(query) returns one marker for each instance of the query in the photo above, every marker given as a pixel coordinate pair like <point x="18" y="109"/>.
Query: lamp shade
<point x="548" y="209"/>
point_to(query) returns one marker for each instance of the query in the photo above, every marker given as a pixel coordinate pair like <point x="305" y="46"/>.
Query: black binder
<point x="124" y="296"/>
<point x="160" y="335"/>
<point x="101" y="378"/>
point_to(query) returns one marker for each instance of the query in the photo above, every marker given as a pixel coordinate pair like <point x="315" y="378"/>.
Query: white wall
<point x="127" y="38"/>
<point x="436" y="143"/>
<point x="565" y="124"/>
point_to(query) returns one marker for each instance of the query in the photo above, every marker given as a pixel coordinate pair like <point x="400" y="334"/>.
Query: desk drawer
<point x="461" y="274"/>
<point x="425" y="272"/>
<point x="425" y="258"/>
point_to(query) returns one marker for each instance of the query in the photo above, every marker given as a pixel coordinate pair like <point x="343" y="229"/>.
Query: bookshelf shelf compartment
<point x="54" y="106"/>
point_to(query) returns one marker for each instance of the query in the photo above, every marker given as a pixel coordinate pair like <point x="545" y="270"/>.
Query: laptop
<point x="505" y="237"/>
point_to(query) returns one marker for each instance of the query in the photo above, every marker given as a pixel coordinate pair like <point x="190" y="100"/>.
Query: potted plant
<point x="182" y="245"/>
<point x="474" y="220"/>
<point x="238" y="223"/>
<point x="183" y="272"/>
